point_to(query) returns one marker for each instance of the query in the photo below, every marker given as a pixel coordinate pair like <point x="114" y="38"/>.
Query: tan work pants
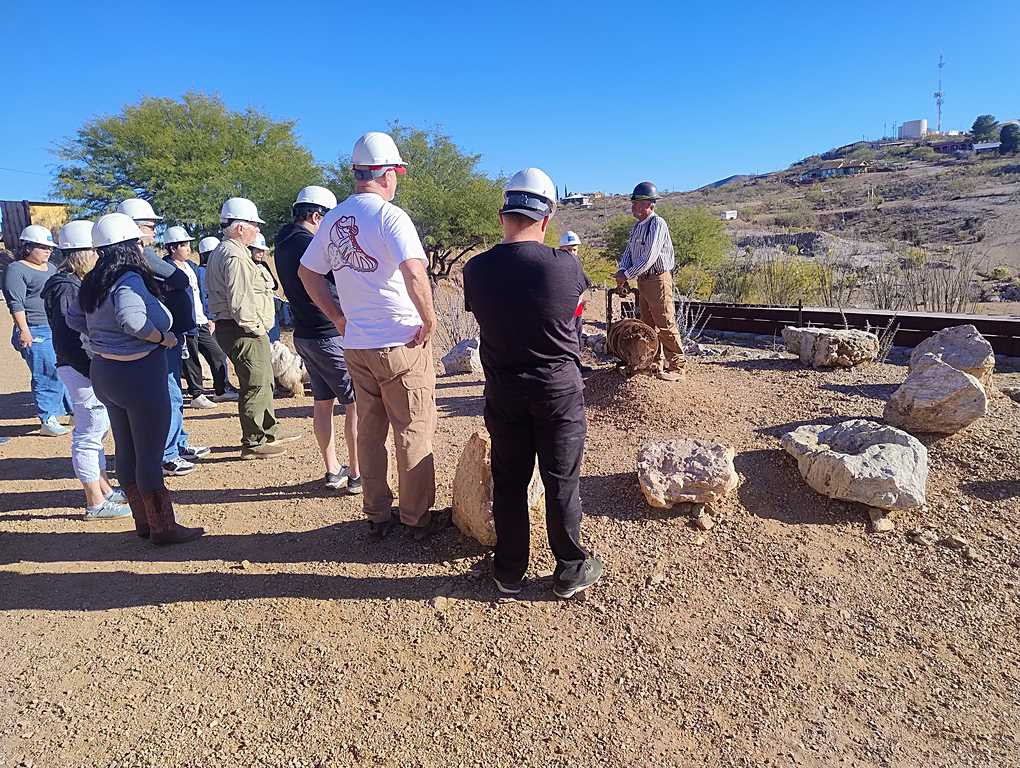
<point x="396" y="386"/>
<point x="659" y="312"/>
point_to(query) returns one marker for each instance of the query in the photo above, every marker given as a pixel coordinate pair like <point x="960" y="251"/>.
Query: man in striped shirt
<point x="649" y="258"/>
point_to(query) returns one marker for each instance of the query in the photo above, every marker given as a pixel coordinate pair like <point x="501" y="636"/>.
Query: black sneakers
<point x="509" y="587"/>
<point x="591" y="572"/>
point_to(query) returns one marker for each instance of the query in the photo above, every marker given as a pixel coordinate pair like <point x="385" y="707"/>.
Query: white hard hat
<point x="570" y="238"/>
<point x="176" y="235"/>
<point x="530" y="192"/>
<point x="207" y="244"/>
<point x="239" y="209"/>
<point x="260" y="243"/>
<point x="376" y="148"/>
<point x="138" y="209"/>
<point x="316" y="196"/>
<point x="37" y="234"/>
<point x="75" y="234"/>
<point x="114" y="228"/>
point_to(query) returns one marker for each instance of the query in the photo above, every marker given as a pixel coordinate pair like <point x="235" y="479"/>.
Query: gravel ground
<point x="786" y="636"/>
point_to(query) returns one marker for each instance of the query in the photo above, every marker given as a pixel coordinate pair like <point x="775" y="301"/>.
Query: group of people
<point x="355" y="274"/>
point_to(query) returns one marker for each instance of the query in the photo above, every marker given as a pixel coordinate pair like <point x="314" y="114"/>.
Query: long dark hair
<point x="114" y="261"/>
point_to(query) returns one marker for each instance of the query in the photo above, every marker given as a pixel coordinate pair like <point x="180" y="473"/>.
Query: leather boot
<point x="165" y="529"/>
<point x="137" y="504"/>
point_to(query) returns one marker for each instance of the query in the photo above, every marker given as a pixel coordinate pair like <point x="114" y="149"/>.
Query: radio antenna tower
<point x="940" y="96"/>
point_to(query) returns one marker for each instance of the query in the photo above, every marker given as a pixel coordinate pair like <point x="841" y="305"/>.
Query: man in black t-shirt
<point x="525" y="296"/>
<point x="318" y="341"/>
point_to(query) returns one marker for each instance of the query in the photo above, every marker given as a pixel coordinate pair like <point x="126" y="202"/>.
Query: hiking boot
<point x="438" y="520"/>
<point x="337" y="480"/>
<point x="202" y="403"/>
<point x="591" y="572"/>
<point x="137" y="505"/>
<point x="53" y="428"/>
<point x="263" y="451"/>
<point x="117" y="496"/>
<point x="163" y="526"/>
<point x="177" y="467"/>
<point x="354" y="485"/>
<point x="192" y="452"/>
<point x="669" y="375"/>
<point x="283" y="438"/>
<point x="379" y="531"/>
<point x="107" y="510"/>
<point x="509" y="587"/>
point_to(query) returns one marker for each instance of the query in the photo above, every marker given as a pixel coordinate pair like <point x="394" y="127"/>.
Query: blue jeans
<point x="50" y="396"/>
<point x="177" y="437"/>
<point x="274" y="332"/>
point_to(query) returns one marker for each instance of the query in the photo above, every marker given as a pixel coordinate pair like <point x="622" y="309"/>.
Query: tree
<point x="454" y="206"/>
<point x="186" y="157"/>
<point x="699" y="237"/>
<point x="1010" y="138"/>
<point x="984" y="128"/>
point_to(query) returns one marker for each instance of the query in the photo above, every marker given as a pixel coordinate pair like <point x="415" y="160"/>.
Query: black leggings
<point x="136" y="396"/>
<point x="203" y="342"/>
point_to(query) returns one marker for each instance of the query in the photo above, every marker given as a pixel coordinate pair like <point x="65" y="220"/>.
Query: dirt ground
<point x="786" y="636"/>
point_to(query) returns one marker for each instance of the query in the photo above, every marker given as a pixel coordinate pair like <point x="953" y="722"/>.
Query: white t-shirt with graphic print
<point x="364" y="240"/>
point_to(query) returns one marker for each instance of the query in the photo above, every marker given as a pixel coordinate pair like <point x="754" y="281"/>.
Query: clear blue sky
<point x="599" y="94"/>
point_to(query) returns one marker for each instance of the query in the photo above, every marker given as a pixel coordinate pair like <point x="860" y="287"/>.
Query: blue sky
<point x="599" y="94"/>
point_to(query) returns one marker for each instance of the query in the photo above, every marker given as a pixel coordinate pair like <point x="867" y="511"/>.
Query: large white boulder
<point x="936" y="397"/>
<point x="961" y="347"/>
<point x="684" y="470"/>
<point x="472" y="491"/>
<point x="463" y="358"/>
<point x="861" y="461"/>
<point x="831" y="347"/>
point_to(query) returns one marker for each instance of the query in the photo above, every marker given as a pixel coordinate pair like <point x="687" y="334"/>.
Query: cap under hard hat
<point x="114" y="228"/>
<point x="75" y="235"/>
<point x="37" y="234"/>
<point x="176" y="235"/>
<point x="645" y="191"/>
<point x="374" y="154"/>
<point x="239" y="209"/>
<point x="314" y="195"/>
<point x="207" y="244"/>
<point x="138" y="210"/>
<point x="569" y="238"/>
<point x="260" y="243"/>
<point x="531" y="193"/>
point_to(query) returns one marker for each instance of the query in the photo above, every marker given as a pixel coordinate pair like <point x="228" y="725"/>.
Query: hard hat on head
<point x="75" y="235"/>
<point x="114" y="228"/>
<point x="239" y="209"/>
<point x="645" y="191"/>
<point x="569" y="238"/>
<point x="37" y="235"/>
<point x="260" y="243"/>
<point x="207" y="244"/>
<point x="138" y="210"/>
<point x="314" y="195"/>
<point x="373" y="154"/>
<point x="176" y="235"/>
<point x="531" y="193"/>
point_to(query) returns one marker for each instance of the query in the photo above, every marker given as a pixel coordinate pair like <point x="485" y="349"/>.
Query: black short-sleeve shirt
<point x="525" y="297"/>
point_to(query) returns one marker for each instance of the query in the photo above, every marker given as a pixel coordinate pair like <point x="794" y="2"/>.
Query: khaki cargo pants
<point x="396" y="386"/>
<point x="659" y="312"/>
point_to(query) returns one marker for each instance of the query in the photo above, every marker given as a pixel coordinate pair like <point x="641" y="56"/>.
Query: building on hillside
<point x="986" y="146"/>
<point x="915" y="129"/>
<point x="833" y="169"/>
<point x="575" y="200"/>
<point x="962" y="146"/>
<point x="728" y="216"/>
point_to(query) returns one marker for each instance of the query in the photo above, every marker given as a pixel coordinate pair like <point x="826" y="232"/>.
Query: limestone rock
<point x="961" y="347"/>
<point x="1013" y="393"/>
<point x="937" y="398"/>
<point x="684" y="470"/>
<point x="463" y="358"/>
<point x="472" y="492"/>
<point x="831" y="348"/>
<point x="862" y="461"/>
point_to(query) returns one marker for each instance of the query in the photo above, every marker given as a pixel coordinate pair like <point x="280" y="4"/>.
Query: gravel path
<point x="786" y="636"/>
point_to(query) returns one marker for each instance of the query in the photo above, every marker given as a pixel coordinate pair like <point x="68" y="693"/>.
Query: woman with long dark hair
<point x="91" y="421"/>
<point x="129" y="332"/>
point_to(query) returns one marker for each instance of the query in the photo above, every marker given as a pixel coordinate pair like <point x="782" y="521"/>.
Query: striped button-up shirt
<point x="649" y="249"/>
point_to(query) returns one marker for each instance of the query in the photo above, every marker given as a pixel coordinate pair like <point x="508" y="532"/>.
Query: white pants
<point x="91" y="423"/>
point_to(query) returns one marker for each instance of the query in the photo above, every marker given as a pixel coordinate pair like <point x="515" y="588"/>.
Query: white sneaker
<point x="53" y="428"/>
<point x="202" y="402"/>
<point x="178" y="467"/>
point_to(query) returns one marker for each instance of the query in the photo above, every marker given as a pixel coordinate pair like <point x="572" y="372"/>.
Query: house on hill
<point x="831" y="169"/>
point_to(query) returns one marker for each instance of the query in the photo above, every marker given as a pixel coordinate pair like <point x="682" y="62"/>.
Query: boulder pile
<point x="685" y="471"/>
<point x="831" y="348"/>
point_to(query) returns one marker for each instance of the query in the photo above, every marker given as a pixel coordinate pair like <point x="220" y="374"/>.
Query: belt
<point x="653" y="272"/>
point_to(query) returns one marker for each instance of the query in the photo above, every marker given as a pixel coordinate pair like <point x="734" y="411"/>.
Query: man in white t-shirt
<point x="386" y="318"/>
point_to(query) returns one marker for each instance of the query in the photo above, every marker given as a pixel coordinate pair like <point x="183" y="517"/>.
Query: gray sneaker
<point x="108" y="510"/>
<point x="354" y="485"/>
<point x="591" y="572"/>
<point x="337" y="480"/>
<point x="53" y="428"/>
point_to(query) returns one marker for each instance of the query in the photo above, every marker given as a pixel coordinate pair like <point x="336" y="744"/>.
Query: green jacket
<point x="239" y="289"/>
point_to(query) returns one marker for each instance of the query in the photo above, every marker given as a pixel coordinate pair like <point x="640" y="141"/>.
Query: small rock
<point x="880" y="521"/>
<point x="1013" y="393"/>
<point x="971" y="555"/>
<point x="245" y="565"/>
<point x="463" y="358"/>
<point x="656" y="579"/>
<point x="786" y="614"/>
<point x="704" y="522"/>
<point x="922" y="536"/>
<point x="953" y="542"/>
<point x="440" y="603"/>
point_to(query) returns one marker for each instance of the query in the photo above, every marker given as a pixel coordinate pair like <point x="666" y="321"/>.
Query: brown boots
<point x="154" y="517"/>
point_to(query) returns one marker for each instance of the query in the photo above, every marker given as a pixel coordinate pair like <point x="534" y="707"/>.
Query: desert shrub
<point x="695" y="282"/>
<point x="785" y="278"/>
<point x="596" y="263"/>
<point x="925" y="153"/>
<point x="734" y="280"/>
<point x="1002" y="272"/>
<point x="797" y="217"/>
